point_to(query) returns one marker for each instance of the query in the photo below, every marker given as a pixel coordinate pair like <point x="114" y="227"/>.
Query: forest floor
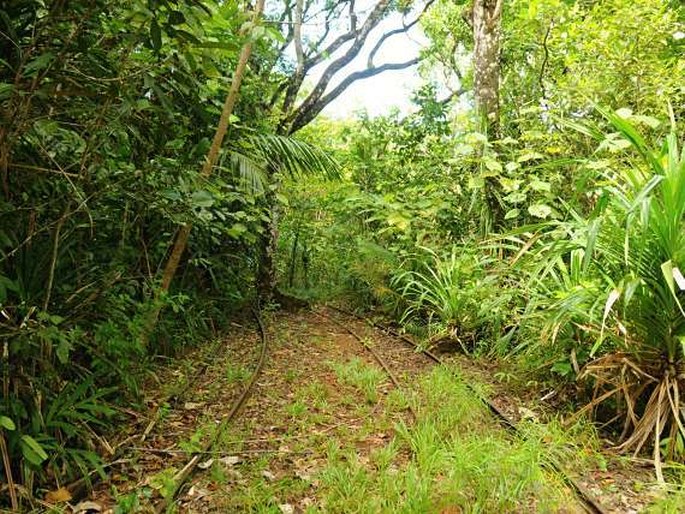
<point x="326" y="430"/>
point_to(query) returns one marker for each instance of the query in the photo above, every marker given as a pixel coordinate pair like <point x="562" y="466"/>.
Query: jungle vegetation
<point x="165" y="164"/>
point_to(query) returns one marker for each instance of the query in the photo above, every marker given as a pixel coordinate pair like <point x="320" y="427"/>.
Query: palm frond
<point x="288" y="156"/>
<point x="252" y="176"/>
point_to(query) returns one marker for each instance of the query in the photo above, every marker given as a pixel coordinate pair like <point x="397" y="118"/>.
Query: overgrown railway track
<point x="588" y="502"/>
<point x="125" y="451"/>
<point x="120" y="454"/>
<point x="187" y="471"/>
<point x="378" y="348"/>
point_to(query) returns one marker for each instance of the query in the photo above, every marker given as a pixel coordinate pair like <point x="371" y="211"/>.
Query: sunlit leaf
<point x="7" y="423"/>
<point x="32" y="450"/>
<point x="540" y="210"/>
<point x="513" y="213"/>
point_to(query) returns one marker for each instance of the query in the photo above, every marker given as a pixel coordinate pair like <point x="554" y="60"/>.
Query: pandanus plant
<point x="452" y="293"/>
<point x="632" y="251"/>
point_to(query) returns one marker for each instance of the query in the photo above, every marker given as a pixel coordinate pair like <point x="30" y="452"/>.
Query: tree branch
<point x="401" y="30"/>
<point x="306" y="115"/>
<point x="452" y="95"/>
<point x="298" y="76"/>
<point x="333" y="68"/>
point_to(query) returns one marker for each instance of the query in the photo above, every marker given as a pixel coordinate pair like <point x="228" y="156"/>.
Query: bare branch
<point x="297" y="30"/>
<point x="455" y="66"/>
<point x="330" y="49"/>
<point x="298" y="76"/>
<point x="346" y="47"/>
<point x="305" y="116"/>
<point x="330" y="16"/>
<point x="288" y="36"/>
<point x="353" y="17"/>
<point x="452" y="95"/>
<point x="401" y="30"/>
<point x="337" y="65"/>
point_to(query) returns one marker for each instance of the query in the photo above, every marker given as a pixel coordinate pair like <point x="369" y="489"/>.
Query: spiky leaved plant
<point x="631" y="251"/>
<point x="454" y="293"/>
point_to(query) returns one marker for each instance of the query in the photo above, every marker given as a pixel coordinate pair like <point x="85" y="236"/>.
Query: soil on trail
<point x="301" y="402"/>
<point x="324" y="424"/>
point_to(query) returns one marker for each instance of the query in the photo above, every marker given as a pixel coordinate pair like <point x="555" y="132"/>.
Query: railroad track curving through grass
<point x="588" y="502"/>
<point x="187" y="471"/>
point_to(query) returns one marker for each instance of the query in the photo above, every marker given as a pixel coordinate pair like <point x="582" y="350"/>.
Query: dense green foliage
<point x="106" y="113"/>
<point x="107" y="110"/>
<point x="582" y="281"/>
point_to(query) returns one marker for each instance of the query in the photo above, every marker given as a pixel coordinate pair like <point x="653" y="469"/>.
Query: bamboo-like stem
<point x="53" y="262"/>
<point x="181" y="240"/>
<point x="8" y="473"/>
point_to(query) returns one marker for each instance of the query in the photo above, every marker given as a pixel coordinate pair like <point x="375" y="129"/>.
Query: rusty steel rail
<point x="382" y="363"/>
<point x="187" y="471"/>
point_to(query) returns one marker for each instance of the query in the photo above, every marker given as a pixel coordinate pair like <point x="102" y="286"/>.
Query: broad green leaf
<point x="509" y="184"/>
<point x="530" y="156"/>
<point x="512" y="166"/>
<point x="540" y="210"/>
<point x="476" y="137"/>
<point x="398" y="220"/>
<point x="539" y="185"/>
<point x="513" y="213"/>
<point x="62" y="351"/>
<point x="175" y="144"/>
<point x="647" y="120"/>
<point x="171" y="194"/>
<point x="32" y="450"/>
<point x="476" y="182"/>
<point x="7" y="423"/>
<point x="202" y="198"/>
<point x="492" y="165"/>
<point x="39" y="63"/>
<point x="624" y="112"/>
<point x="237" y="230"/>
<point x="516" y="197"/>
<point x="563" y="368"/>
<point x="55" y="319"/>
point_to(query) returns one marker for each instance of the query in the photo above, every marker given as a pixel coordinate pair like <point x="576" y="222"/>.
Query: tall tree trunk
<point x="267" y="278"/>
<point x="486" y="22"/>
<point x="181" y="238"/>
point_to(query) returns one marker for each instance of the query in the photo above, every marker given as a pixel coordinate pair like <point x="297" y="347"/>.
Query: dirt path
<point x="325" y="430"/>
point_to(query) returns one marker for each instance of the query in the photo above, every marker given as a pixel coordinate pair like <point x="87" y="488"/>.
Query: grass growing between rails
<point x="337" y="436"/>
<point x="365" y="377"/>
<point x="453" y="459"/>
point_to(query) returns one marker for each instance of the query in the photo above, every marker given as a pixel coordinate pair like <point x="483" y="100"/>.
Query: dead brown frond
<point x="649" y="391"/>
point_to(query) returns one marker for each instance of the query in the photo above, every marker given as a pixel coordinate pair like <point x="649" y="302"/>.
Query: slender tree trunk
<point x="267" y="278"/>
<point x="486" y="22"/>
<point x="181" y="239"/>
<point x="293" y="258"/>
